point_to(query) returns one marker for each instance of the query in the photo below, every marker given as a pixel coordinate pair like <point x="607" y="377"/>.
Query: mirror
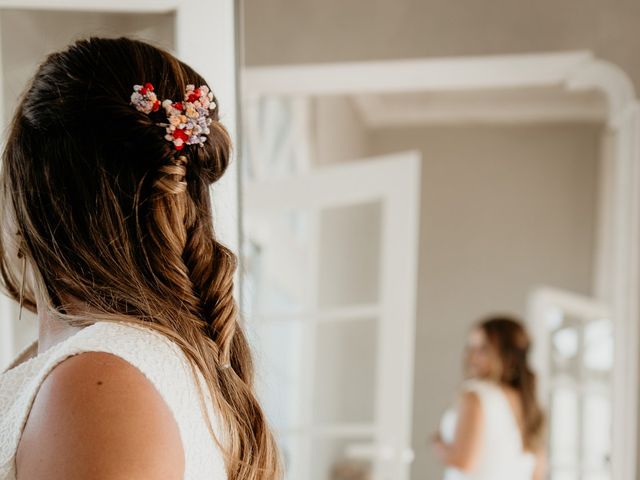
<point x="519" y="203"/>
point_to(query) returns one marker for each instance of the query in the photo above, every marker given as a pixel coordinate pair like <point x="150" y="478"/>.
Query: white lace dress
<point x="502" y="456"/>
<point x="157" y="357"/>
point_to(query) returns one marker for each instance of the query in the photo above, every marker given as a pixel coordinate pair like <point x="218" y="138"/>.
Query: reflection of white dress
<point x="502" y="456"/>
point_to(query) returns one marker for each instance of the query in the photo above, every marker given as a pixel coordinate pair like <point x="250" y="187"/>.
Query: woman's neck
<point x="52" y="331"/>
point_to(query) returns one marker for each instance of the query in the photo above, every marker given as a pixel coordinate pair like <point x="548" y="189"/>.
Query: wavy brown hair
<point x="509" y="339"/>
<point x="109" y="217"/>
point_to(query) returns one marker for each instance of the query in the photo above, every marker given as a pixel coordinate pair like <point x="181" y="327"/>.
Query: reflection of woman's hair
<point x="511" y="342"/>
<point x="105" y="214"/>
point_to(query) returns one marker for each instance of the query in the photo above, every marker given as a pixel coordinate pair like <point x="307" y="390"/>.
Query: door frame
<point x="396" y="179"/>
<point x="616" y="256"/>
<point x="212" y="26"/>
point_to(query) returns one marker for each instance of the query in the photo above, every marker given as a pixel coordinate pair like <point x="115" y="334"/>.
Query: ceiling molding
<point x="481" y="106"/>
<point x="428" y="74"/>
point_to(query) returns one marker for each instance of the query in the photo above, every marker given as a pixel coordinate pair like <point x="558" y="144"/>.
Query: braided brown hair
<point x="110" y="215"/>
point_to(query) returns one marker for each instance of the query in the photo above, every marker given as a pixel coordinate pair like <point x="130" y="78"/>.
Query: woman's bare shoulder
<point x="97" y="416"/>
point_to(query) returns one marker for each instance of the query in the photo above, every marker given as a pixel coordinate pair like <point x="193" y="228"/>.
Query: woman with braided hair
<point x="496" y="431"/>
<point x="141" y="369"/>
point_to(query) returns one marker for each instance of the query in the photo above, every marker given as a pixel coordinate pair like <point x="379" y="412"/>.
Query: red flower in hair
<point x="188" y="120"/>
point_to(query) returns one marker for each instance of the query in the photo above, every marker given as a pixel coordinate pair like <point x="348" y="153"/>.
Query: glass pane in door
<point x="278" y="262"/>
<point x="304" y="260"/>
<point x="345" y="376"/>
<point x="349" y="255"/>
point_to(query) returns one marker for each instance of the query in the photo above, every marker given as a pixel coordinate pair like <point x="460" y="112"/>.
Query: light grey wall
<point x="504" y="209"/>
<point x="308" y="31"/>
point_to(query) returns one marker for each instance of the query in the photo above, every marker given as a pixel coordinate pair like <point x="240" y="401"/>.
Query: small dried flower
<point x="188" y="120"/>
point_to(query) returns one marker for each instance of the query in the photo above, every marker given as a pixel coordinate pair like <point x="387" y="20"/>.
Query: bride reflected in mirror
<point x="496" y="429"/>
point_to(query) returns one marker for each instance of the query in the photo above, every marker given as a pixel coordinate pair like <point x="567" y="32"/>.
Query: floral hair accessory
<point x="144" y="99"/>
<point x="188" y="120"/>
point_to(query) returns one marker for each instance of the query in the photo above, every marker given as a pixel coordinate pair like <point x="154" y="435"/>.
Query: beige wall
<point x="307" y="31"/>
<point x="504" y="209"/>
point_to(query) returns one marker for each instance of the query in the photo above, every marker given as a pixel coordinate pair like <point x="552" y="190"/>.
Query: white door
<point x="329" y="296"/>
<point x="575" y="356"/>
